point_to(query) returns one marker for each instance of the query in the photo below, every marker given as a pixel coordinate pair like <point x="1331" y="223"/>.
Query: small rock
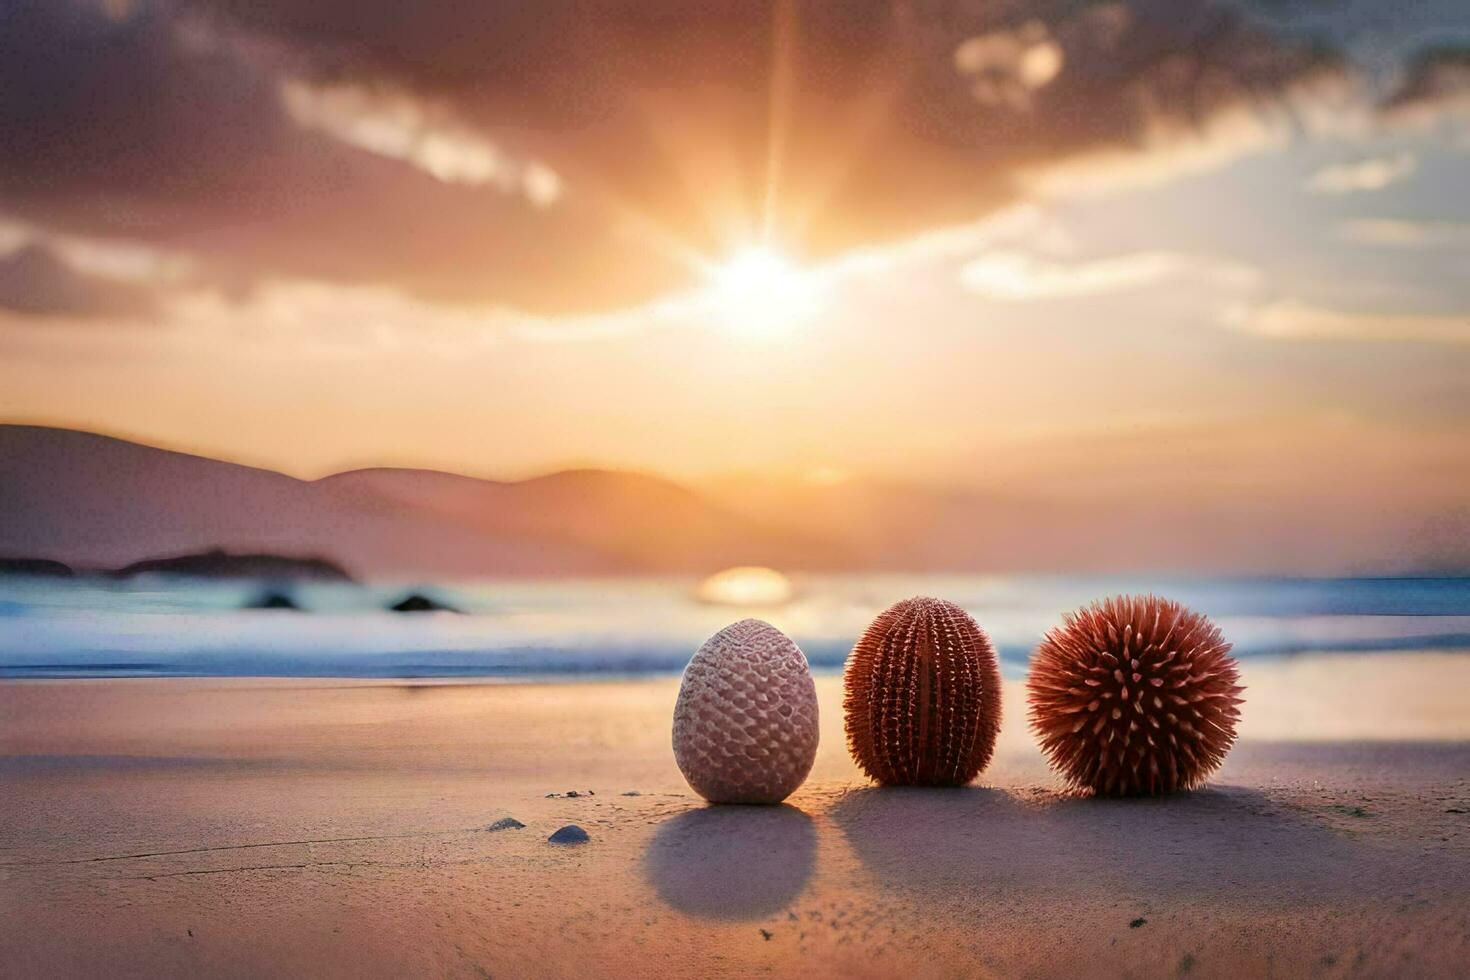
<point x="572" y="794"/>
<point x="272" y="600"/>
<point x="766" y="934"/>
<point x="506" y="823"/>
<point x="570" y="834"/>
<point x="416" y="602"/>
<point x="1137" y="922"/>
<point x="1350" y="811"/>
<point x="634" y="792"/>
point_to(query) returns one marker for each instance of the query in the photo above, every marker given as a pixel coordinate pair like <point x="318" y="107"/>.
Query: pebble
<point x="570" y="834"/>
<point x="506" y="823"/>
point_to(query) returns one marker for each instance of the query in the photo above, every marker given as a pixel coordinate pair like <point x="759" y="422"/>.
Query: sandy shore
<point x="254" y="826"/>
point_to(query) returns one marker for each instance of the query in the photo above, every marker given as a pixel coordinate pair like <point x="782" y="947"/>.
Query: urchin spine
<point x="922" y="696"/>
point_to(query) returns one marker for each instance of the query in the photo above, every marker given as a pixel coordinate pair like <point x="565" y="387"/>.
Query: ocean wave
<point x="642" y="627"/>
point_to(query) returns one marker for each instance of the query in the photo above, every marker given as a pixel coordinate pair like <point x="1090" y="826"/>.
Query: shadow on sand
<point x="732" y="862"/>
<point x="1225" y="840"/>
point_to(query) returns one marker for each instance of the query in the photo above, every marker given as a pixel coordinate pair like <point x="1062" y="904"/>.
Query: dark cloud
<point x="166" y="126"/>
<point x="126" y="128"/>
<point x="1436" y="79"/>
<point x="35" y="281"/>
<point x="882" y="127"/>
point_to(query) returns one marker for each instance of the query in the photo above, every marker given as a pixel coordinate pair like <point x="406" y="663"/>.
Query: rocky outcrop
<point x="34" y="566"/>
<point x="218" y="563"/>
<point x="415" y="602"/>
<point x="272" y="600"/>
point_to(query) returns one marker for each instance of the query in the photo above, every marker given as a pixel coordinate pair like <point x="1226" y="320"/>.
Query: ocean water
<point x="521" y="629"/>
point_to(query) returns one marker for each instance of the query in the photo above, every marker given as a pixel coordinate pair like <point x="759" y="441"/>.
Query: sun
<point x="759" y="291"/>
<point x="746" y="585"/>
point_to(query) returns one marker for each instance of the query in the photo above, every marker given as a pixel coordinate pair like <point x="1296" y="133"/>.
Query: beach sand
<point x="323" y="828"/>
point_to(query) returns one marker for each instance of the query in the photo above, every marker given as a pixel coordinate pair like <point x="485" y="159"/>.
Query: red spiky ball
<point x="1134" y="695"/>
<point x="922" y="696"/>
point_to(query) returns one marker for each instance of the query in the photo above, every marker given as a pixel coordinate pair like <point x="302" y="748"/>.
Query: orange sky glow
<point x="1022" y="254"/>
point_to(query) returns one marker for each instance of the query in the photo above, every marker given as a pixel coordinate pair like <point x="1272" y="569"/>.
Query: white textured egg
<point x="745" y="725"/>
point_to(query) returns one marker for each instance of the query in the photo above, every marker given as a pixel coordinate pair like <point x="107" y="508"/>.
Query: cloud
<point x="1289" y="319"/>
<point x="1014" y="275"/>
<point x="1436" y="81"/>
<point x="163" y="130"/>
<point x="397" y="125"/>
<point x="1404" y="233"/>
<point x="1372" y="174"/>
<point x="1006" y="66"/>
<point x="1318" y="100"/>
<point x="35" y="281"/>
<point x="128" y="261"/>
<point x="342" y="142"/>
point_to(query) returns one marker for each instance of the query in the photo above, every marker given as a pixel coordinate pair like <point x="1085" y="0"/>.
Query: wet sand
<point x="267" y="827"/>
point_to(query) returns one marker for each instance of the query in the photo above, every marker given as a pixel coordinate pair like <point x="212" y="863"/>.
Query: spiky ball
<point x="922" y="696"/>
<point x="1134" y="695"/>
<point x="745" y="724"/>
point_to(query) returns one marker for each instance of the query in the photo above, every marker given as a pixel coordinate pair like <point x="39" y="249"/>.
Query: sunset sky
<point x="1150" y="247"/>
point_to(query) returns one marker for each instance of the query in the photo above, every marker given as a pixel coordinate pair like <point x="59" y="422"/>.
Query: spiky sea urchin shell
<point x="1134" y="695"/>
<point x="922" y="696"/>
<point x="745" y="724"/>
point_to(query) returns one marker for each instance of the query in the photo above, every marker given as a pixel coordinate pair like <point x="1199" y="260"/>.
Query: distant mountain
<point x="98" y="502"/>
<point x="217" y="563"/>
<point x="636" y="522"/>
